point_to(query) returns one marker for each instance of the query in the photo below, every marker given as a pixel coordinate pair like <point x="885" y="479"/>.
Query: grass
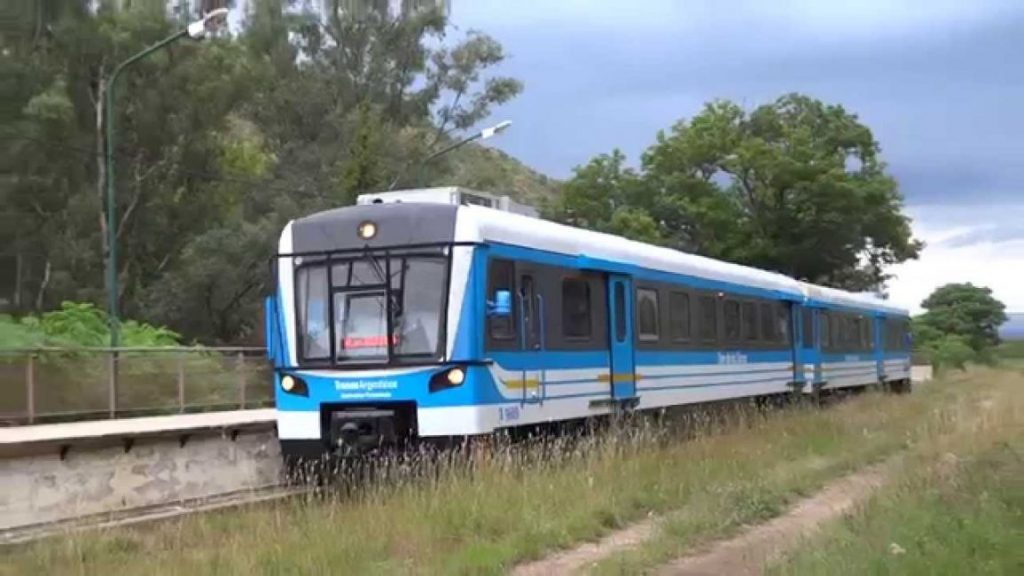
<point x="956" y="407"/>
<point x="482" y="515"/>
<point x="958" y="512"/>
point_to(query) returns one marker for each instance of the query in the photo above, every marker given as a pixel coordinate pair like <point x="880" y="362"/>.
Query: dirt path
<point x="569" y="561"/>
<point x="749" y="551"/>
<point x="746" y="553"/>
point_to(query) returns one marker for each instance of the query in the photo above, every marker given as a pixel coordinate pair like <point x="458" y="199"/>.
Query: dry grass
<point x="485" y="513"/>
<point x="958" y="406"/>
<point x="956" y="507"/>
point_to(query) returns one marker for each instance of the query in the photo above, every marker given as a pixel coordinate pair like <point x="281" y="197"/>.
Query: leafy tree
<point x="796" y="186"/>
<point x="964" y="310"/>
<point x="218" y="144"/>
<point x="949" y="351"/>
<point x="77" y="324"/>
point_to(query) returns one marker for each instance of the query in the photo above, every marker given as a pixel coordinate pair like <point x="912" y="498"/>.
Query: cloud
<point x="989" y="252"/>
<point x="831" y="21"/>
<point x="936" y="80"/>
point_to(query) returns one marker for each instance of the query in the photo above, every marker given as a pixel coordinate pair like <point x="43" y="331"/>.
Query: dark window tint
<point x="708" y="318"/>
<point x="313" y="329"/>
<point x="501" y="276"/>
<point x="824" y="331"/>
<point x="768" y="327"/>
<point x="529" y="302"/>
<point x="783" y="322"/>
<point x="749" y="321"/>
<point x="731" y="315"/>
<point x="647" y="314"/>
<point x="620" y="312"/>
<point x="575" y="308"/>
<point x="835" y="331"/>
<point x="679" y="315"/>
<point x="808" y="327"/>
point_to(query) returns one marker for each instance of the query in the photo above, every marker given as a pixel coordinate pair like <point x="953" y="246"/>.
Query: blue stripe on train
<point x="479" y="387"/>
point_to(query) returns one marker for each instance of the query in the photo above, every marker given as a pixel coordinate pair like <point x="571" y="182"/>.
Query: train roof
<point x="850" y="299"/>
<point x="422" y="220"/>
<point x="482" y="224"/>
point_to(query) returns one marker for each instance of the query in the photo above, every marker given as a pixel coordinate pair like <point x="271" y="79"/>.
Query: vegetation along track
<point x="523" y="502"/>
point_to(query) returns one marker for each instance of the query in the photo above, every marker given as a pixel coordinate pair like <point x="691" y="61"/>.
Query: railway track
<point x="142" y="514"/>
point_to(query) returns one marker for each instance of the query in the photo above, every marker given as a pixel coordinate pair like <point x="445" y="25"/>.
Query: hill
<point x="492" y="170"/>
<point x="1013" y="329"/>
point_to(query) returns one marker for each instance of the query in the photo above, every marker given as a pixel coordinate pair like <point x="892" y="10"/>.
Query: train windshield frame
<point x="387" y="306"/>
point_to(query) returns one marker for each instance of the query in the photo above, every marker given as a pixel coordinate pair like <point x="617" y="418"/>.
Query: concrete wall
<point x="91" y="480"/>
<point x="921" y="373"/>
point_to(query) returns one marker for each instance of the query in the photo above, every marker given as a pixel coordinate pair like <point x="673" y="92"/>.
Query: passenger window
<point x="782" y="312"/>
<point x="647" y="314"/>
<point x="708" y="319"/>
<point x="679" y="315"/>
<point x="749" y="321"/>
<point x="731" y="311"/>
<point x="835" y="329"/>
<point x="767" y="323"/>
<point x="501" y="276"/>
<point x="825" y="331"/>
<point x="530" y="320"/>
<point x="576" y="308"/>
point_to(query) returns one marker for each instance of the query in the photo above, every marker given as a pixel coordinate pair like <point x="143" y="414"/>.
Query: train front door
<point x="620" y="319"/>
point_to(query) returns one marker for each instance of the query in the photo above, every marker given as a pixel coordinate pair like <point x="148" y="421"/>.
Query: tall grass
<point x="482" y="510"/>
<point x="956" y="509"/>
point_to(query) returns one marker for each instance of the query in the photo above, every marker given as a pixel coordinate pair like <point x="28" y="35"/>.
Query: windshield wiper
<point x="381" y="276"/>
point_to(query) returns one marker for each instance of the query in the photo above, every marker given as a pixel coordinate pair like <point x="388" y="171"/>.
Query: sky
<point x="939" y="82"/>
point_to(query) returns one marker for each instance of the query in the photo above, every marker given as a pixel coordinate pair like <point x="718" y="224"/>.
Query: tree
<point x="963" y="310"/>
<point x="949" y="351"/>
<point x="795" y="186"/>
<point x="218" y="144"/>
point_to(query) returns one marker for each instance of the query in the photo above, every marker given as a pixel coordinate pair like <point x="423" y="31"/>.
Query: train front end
<point x="369" y="330"/>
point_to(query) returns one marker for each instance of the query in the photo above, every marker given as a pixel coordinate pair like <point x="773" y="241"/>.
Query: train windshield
<point x="367" y="295"/>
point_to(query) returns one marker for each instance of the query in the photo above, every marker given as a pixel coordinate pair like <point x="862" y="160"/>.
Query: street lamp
<point x="481" y="135"/>
<point x="197" y="31"/>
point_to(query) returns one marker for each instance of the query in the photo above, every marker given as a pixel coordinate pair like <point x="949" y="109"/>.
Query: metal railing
<point x="39" y="385"/>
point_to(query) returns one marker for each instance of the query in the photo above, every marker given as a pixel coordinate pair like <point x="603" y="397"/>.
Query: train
<point x="448" y="313"/>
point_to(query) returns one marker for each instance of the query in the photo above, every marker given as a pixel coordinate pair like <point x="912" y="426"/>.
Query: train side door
<point x="531" y="334"/>
<point x="810" y="343"/>
<point x="620" y="317"/>
<point x="796" y="314"/>
<point x="878" y="345"/>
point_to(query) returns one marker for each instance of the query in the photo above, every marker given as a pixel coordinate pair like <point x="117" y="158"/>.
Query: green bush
<point x="79" y="324"/>
<point x="75" y="378"/>
<point x="950" y="351"/>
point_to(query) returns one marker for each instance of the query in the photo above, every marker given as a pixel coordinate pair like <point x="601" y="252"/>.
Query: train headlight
<point x="367" y="230"/>
<point x="456" y="376"/>
<point x="293" y="385"/>
<point x="450" y="378"/>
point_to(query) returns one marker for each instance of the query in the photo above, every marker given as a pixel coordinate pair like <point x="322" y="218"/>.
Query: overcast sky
<point x="940" y="83"/>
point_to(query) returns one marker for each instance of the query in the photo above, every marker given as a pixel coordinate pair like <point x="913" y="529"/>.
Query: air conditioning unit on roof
<point x="449" y="195"/>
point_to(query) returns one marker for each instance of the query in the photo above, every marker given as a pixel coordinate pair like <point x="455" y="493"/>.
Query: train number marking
<point x="508" y="413"/>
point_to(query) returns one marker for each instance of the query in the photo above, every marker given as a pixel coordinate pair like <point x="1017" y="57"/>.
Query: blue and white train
<point x="449" y="313"/>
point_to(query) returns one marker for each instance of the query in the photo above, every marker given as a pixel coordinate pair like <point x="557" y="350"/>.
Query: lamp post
<point x="196" y="30"/>
<point x="481" y="135"/>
